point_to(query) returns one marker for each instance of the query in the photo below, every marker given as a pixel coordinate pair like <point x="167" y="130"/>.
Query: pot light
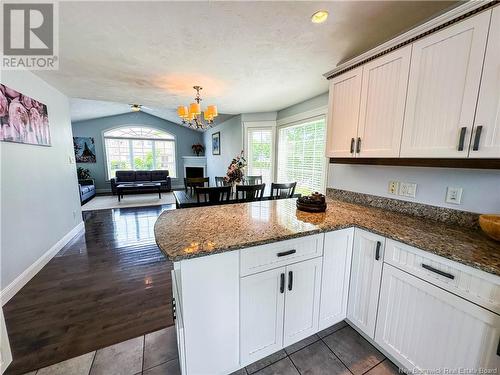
<point x="319" y="17"/>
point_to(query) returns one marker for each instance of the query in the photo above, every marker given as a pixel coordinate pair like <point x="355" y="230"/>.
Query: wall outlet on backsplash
<point x="393" y="187"/>
<point x="408" y="189"/>
<point x="453" y="195"/>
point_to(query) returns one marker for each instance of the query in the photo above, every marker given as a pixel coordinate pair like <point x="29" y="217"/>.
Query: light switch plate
<point x="453" y="195"/>
<point x="408" y="189"/>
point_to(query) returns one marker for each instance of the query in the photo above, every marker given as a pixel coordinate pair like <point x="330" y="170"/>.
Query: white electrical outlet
<point x="393" y="187"/>
<point x="407" y="189"/>
<point x="453" y="195"/>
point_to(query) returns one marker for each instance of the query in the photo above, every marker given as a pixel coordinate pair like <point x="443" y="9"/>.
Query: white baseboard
<point x="15" y="286"/>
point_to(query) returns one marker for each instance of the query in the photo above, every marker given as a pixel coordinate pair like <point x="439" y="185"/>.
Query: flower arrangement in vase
<point x="235" y="171"/>
<point x="197" y="148"/>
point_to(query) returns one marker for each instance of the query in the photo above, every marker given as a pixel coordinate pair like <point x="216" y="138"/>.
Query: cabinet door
<point x="179" y="323"/>
<point x="261" y="314"/>
<point x="383" y="99"/>
<point x="425" y="327"/>
<point x="443" y="89"/>
<point x="366" y="272"/>
<point x="337" y="255"/>
<point x="486" y="138"/>
<point x="343" y="113"/>
<point x="5" y="353"/>
<point x="302" y="300"/>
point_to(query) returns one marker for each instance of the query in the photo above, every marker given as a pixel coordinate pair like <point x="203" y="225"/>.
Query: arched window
<point x="139" y="148"/>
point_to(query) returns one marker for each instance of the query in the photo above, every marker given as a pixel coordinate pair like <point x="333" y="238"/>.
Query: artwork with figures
<point x="216" y="143"/>
<point x="23" y="119"/>
<point x="84" y="149"/>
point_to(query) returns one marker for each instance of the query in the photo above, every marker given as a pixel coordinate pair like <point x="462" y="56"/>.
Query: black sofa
<point x="123" y="177"/>
<point x="87" y="189"/>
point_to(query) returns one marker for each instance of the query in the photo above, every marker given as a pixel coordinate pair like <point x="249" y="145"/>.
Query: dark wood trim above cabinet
<point x="422" y="162"/>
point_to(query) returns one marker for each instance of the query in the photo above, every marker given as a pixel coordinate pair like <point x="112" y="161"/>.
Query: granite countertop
<point x="194" y="232"/>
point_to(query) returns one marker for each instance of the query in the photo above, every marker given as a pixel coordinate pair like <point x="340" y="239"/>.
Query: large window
<point x="139" y="148"/>
<point x="260" y="148"/>
<point x="301" y="155"/>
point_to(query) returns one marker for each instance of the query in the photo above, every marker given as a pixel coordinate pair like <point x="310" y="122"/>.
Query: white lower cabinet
<point x="366" y="272"/>
<point x="261" y="316"/>
<point x="426" y="328"/>
<point x="278" y="308"/>
<point x="337" y="255"/>
<point x="302" y="300"/>
<point x="397" y="296"/>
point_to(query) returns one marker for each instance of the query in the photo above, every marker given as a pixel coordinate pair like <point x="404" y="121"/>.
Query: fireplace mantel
<point x="195" y="161"/>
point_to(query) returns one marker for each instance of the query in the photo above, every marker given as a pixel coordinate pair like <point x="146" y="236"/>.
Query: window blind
<point x="301" y="155"/>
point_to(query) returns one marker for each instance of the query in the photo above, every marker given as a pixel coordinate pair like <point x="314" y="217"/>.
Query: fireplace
<point x="194" y="172"/>
<point x="195" y="166"/>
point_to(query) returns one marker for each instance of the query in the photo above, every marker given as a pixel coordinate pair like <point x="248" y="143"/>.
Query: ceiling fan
<point x="137" y="107"/>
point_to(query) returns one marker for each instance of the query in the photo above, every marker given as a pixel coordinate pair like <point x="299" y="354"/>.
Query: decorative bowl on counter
<point x="315" y="202"/>
<point x="490" y="224"/>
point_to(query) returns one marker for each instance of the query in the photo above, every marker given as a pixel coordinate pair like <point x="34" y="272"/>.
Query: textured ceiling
<point x="249" y="56"/>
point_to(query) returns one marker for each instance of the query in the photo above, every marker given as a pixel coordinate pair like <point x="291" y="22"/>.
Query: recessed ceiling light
<point x="319" y="17"/>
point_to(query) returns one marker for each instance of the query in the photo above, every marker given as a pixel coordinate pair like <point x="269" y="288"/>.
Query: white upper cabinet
<point x="443" y="90"/>
<point x="486" y="137"/>
<point x="383" y="97"/>
<point x="343" y="113"/>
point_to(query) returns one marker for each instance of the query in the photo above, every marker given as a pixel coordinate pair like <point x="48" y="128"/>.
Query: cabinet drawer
<point x="265" y="257"/>
<point x="474" y="285"/>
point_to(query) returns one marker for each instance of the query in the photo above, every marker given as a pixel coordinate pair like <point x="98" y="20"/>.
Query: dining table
<point x="187" y="198"/>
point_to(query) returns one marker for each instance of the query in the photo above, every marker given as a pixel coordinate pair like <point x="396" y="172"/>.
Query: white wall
<point x="39" y="190"/>
<point x="481" y="188"/>
<point x="231" y="138"/>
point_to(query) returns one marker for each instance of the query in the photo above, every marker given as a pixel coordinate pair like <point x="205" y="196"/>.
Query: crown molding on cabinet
<point x="455" y="15"/>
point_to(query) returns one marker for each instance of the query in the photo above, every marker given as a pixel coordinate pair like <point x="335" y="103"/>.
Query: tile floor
<point x="335" y="350"/>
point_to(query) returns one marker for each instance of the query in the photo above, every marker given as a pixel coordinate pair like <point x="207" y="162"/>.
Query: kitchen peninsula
<point x="252" y="278"/>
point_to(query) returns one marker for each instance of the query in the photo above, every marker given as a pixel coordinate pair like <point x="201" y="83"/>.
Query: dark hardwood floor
<point x="108" y="285"/>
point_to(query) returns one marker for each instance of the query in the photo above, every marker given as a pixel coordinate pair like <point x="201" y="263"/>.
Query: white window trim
<point x="320" y="112"/>
<point x="262" y="125"/>
<point x="105" y="152"/>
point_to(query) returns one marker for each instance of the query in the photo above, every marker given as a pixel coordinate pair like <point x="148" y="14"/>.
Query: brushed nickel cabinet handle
<point x="477" y="138"/>
<point x="461" y="139"/>
<point x="439" y="272"/>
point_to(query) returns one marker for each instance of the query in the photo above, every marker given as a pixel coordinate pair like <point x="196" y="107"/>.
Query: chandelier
<point x="192" y="115"/>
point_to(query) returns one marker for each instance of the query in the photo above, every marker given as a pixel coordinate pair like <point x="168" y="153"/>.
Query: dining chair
<point x="281" y="191"/>
<point x="192" y="182"/>
<point x="220" y="181"/>
<point x="253" y="180"/>
<point x="213" y="195"/>
<point x="250" y="193"/>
